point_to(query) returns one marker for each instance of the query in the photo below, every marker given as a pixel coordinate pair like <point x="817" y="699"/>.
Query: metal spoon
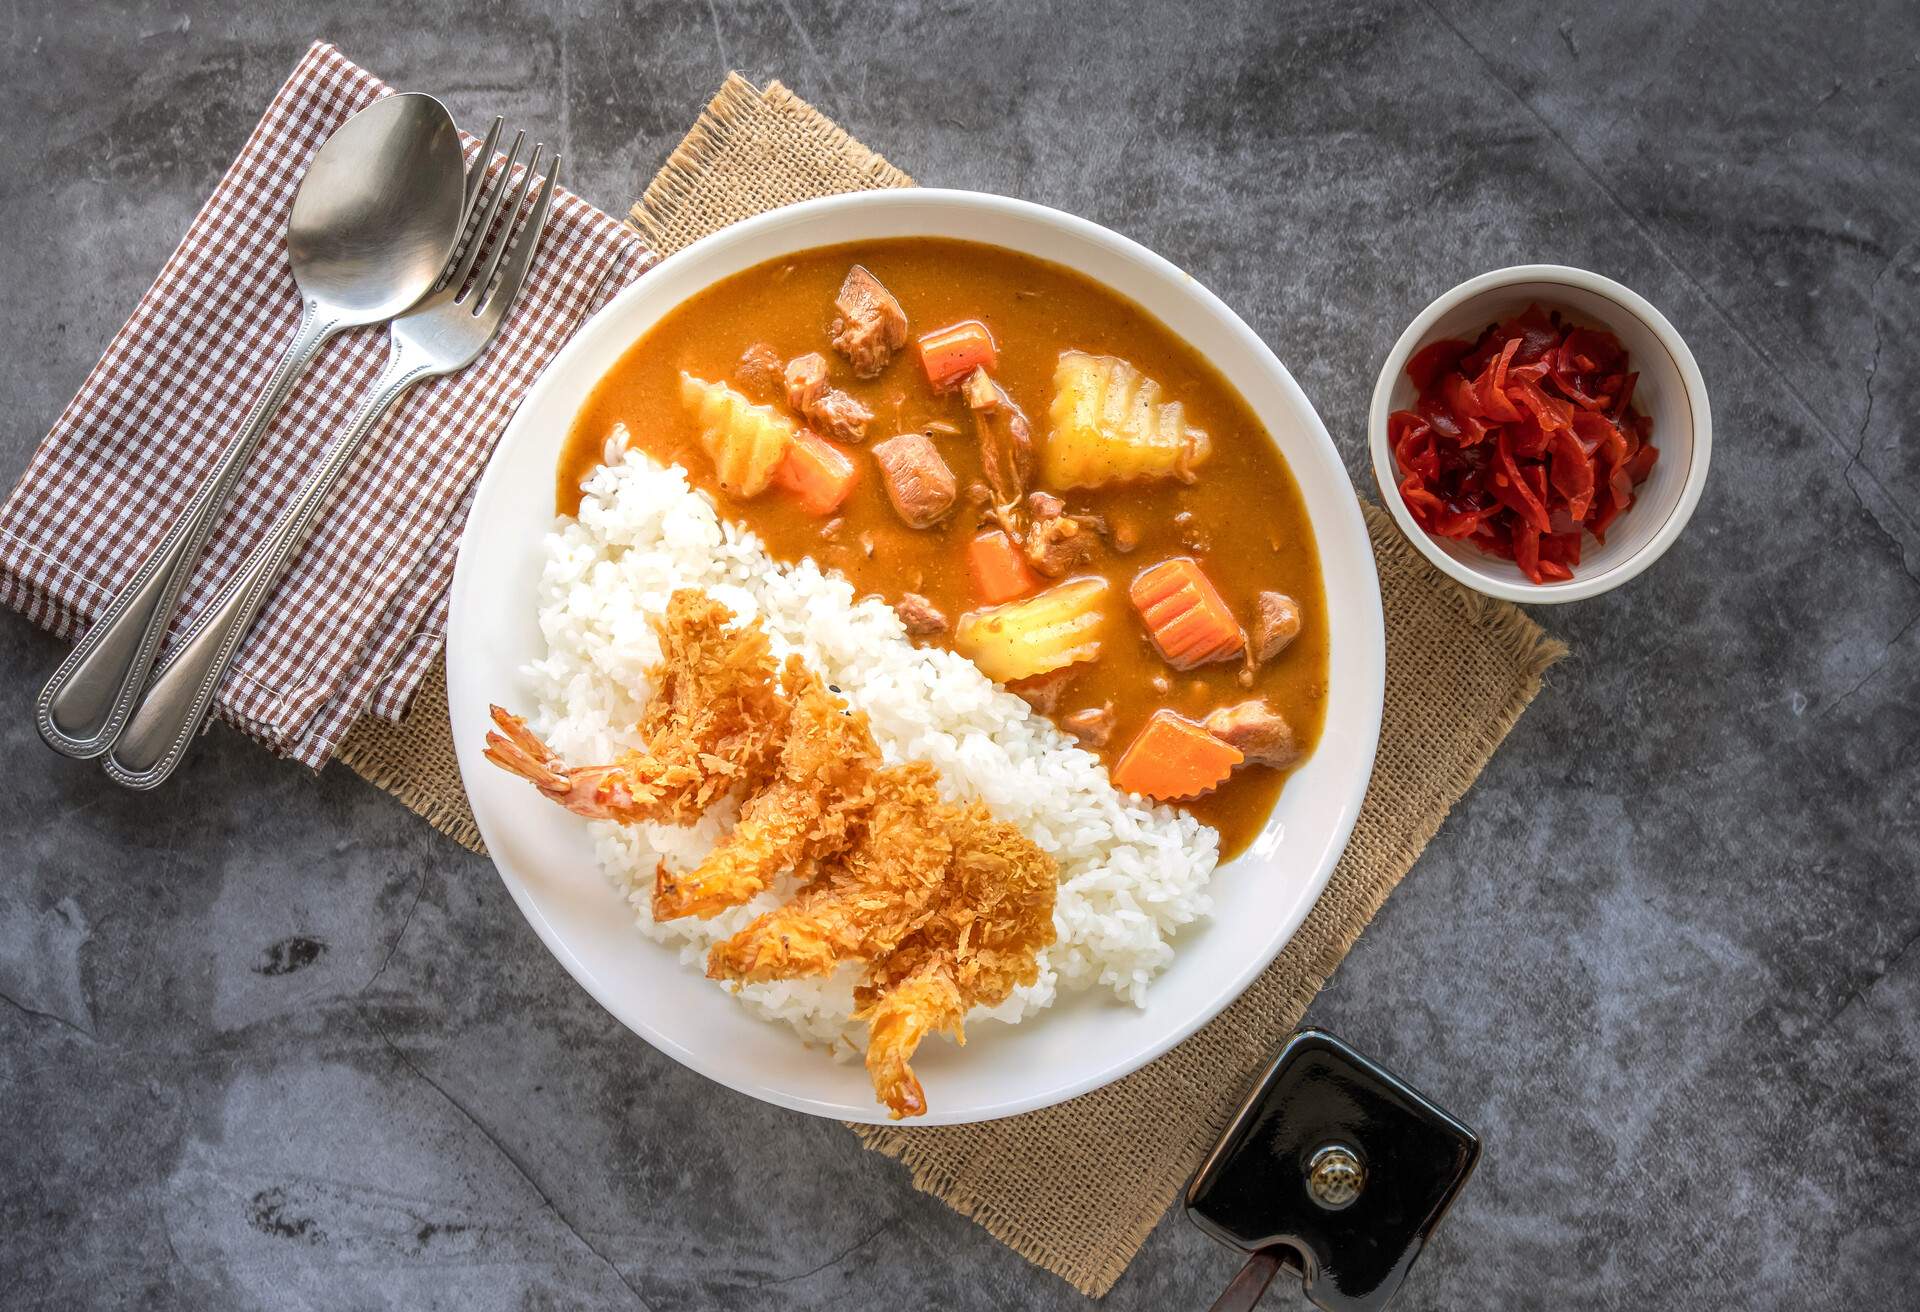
<point x="373" y="224"/>
<point x="444" y="333"/>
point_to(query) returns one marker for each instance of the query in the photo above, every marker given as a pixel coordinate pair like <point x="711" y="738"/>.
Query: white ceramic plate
<point x="545" y="856"/>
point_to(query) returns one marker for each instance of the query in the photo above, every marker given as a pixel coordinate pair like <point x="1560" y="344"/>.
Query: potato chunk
<point x="1112" y="424"/>
<point x="747" y="442"/>
<point x="1044" y="632"/>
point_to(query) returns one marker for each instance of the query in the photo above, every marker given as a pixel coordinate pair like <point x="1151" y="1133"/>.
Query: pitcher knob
<point x="1335" y="1176"/>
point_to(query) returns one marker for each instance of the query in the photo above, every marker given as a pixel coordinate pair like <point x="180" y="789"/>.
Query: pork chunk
<point x="871" y="326"/>
<point x="841" y="415"/>
<point x="1276" y="622"/>
<point x="1043" y="691"/>
<point x="827" y="409"/>
<point x="919" y="483"/>
<point x="1045" y="505"/>
<point x="1092" y="726"/>
<point x="758" y="372"/>
<point x="1006" y="440"/>
<point x="1055" y="542"/>
<point x="1056" y="545"/>
<point x="922" y="618"/>
<point x="806" y="379"/>
<point x="1259" y="731"/>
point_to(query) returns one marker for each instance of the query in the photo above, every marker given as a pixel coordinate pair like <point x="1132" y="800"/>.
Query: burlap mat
<point x="1076" y="1188"/>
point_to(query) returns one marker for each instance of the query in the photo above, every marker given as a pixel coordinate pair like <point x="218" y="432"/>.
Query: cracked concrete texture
<point x="266" y="1040"/>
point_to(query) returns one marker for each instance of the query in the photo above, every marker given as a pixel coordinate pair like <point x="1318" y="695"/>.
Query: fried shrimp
<point x="977" y="944"/>
<point x="716" y="719"/>
<point x="865" y="900"/>
<point x="801" y="813"/>
<point x="717" y="714"/>
<point x="924" y="1003"/>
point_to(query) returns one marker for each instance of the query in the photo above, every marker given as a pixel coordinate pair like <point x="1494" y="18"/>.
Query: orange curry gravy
<point x="1242" y="518"/>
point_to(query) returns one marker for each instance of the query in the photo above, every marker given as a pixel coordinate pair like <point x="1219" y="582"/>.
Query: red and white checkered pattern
<point x="361" y="611"/>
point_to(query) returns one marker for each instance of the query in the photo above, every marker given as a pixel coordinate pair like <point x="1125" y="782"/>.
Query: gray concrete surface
<point x="268" y="1041"/>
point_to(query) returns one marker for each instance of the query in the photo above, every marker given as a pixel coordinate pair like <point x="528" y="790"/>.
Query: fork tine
<point x="478" y="181"/>
<point x="524" y="246"/>
<point x="477" y="174"/>
<point x="485" y="279"/>
<point x="478" y="237"/>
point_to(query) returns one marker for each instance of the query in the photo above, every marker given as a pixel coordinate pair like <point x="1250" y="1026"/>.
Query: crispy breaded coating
<point x="717" y="715"/>
<point x="716" y="719"/>
<point x="865" y="900"/>
<point x="799" y="815"/>
<point x="923" y="1003"/>
<point x="993" y="914"/>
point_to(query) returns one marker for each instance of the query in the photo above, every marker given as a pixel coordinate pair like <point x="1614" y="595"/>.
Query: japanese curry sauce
<point x="1249" y="528"/>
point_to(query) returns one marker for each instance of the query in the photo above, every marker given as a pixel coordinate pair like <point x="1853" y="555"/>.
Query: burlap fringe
<point x="1093" y="1279"/>
<point x="685" y="170"/>
<point x="370" y="761"/>
<point x="414" y="759"/>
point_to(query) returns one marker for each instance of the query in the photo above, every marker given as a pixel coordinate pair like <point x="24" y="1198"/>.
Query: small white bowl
<point x="1670" y="392"/>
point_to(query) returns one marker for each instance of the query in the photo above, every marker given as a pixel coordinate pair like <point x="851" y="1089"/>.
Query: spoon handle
<point x="176" y="700"/>
<point x="85" y="704"/>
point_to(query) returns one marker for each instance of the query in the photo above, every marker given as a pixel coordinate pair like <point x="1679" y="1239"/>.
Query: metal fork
<point x="445" y="332"/>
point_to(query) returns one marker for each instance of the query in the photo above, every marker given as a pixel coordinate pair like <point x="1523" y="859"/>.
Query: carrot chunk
<point x="1185" y="615"/>
<point x="950" y="354"/>
<point x="998" y="570"/>
<point x="1173" y="758"/>
<point x="818" y="474"/>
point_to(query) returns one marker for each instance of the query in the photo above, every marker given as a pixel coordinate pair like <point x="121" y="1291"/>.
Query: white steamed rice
<point x="1130" y="875"/>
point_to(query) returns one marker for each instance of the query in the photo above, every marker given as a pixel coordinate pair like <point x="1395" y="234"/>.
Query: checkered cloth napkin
<point x="357" y="619"/>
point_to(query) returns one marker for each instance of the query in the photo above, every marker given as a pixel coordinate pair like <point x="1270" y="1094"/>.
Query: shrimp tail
<point x="518" y="750"/>
<point x="599" y="792"/>
<point x="924" y="1003"/>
